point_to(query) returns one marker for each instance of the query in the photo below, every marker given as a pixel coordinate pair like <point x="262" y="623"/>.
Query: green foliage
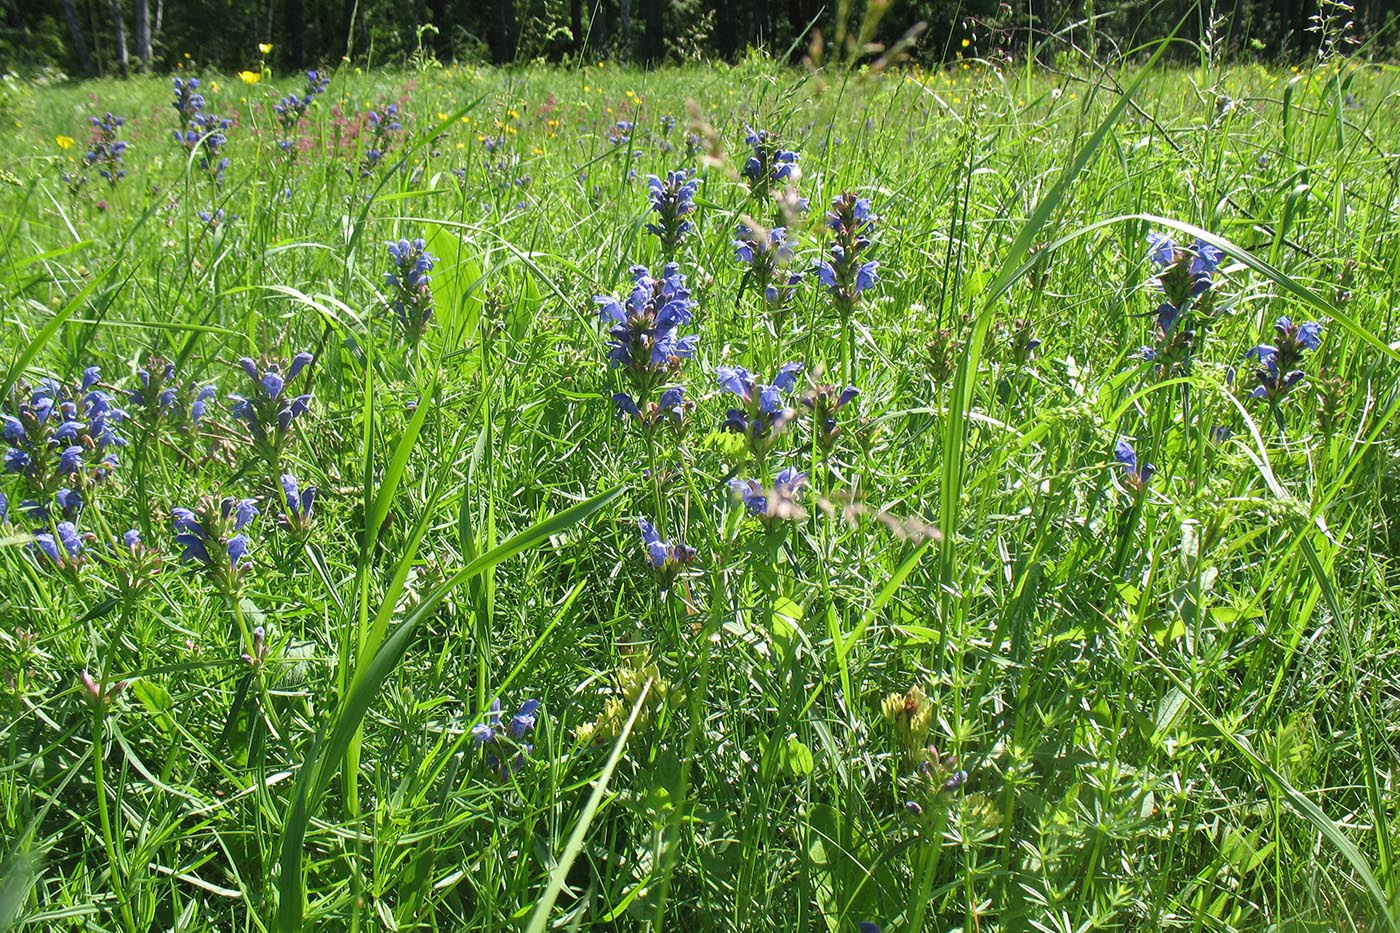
<point x="977" y="675"/>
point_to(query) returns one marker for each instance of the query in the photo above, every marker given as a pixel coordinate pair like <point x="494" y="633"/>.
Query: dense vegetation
<point x="987" y="525"/>
<point x="88" y="37"/>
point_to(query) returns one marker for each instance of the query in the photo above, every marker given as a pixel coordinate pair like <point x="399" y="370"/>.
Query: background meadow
<point x="980" y="668"/>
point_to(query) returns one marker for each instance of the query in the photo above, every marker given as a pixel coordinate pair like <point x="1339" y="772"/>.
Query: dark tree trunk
<point x="296" y="33"/>
<point x="119" y="27"/>
<point x="624" y="8"/>
<point x="75" y="32"/>
<point x="352" y="9"/>
<point x="442" y="42"/>
<point x="143" y="34"/>
<point x="727" y="27"/>
<point x="503" y="31"/>
<point x="576" y="24"/>
<point x="654" y="47"/>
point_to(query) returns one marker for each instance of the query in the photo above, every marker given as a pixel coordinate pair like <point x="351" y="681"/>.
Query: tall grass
<point x="1175" y="703"/>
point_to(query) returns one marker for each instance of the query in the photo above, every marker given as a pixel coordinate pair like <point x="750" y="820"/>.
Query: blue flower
<point x="269" y="410"/>
<point x="848" y="274"/>
<point x="672" y="408"/>
<point x="673" y="200"/>
<point x="70" y="502"/>
<point x="645" y="328"/>
<point x="70" y="460"/>
<point x="216" y="529"/>
<point x="866" y="276"/>
<point x="1186" y="273"/>
<point x="1281" y="362"/>
<point x="242" y="511"/>
<point x="299" y="502"/>
<point x="664" y="557"/>
<point x="1127" y="458"/>
<point x="769" y="164"/>
<point x="237" y="550"/>
<point x="765" y="410"/>
<point x="524" y="719"/>
<point x="64" y="549"/>
<point x="780" y="502"/>
<point x="825" y="401"/>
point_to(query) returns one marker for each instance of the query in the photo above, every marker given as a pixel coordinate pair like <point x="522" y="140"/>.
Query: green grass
<point x="1177" y="706"/>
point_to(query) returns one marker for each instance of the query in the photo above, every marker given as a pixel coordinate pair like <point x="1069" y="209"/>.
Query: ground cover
<point x="986" y="524"/>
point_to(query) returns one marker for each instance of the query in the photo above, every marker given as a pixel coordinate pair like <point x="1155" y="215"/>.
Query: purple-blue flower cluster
<point x="62" y="439"/>
<point x="384" y="129"/>
<point x="1280" y="363"/>
<point x="673" y="201"/>
<point x="163" y="399"/>
<point x="63" y="546"/>
<point x="1185" y="278"/>
<point x="671" y="408"/>
<point x="775" y="503"/>
<point x="105" y="152"/>
<point x="188" y="101"/>
<point x="300" y="503"/>
<point x="666" y="558"/>
<point x="768" y="165"/>
<point x="503" y="738"/>
<point x="825" y="401"/>
<point x="848" y="274"/>
<point x="1135" y="477"/>
<point x="212" y="536"/>
<point x="411" y="293"/>
<point x="765" y="410"/>
<point x="290" y="109"/>
<point x="270" y="408"/>
<point x="646" y="342"/>
<point x="767" y="253"/>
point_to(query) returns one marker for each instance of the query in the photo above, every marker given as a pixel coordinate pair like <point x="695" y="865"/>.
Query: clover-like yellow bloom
<point x="64" y="142"/>
<point x="250" y="77"/>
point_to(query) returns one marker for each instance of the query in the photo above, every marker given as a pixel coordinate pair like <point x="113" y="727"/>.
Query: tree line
<point x="117" y="37"/>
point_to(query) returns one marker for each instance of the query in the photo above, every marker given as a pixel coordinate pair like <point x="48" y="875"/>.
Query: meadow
<point x="986" y="524"/>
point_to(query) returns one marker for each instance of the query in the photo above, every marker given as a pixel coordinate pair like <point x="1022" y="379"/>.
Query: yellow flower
<point x="214" y="86"/>
<point x="187" y="55"/>
<point x="250" y="77"/>
<point x="264" y="47"/>
<point x="966" y="43"/>
<point x="537" y="151"/>
<point x="64" y="142"/>
<point x="442" y="116"/>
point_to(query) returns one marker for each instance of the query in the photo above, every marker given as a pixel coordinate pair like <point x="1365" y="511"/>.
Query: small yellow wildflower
<point x="264" y="47"/>
<point x="64" y="142"/>
<point x="442" y="116"/>
<point x="250" y="77"/>
<point x="214" y="86"/>
<point x="966" y="43"/>
<point x="537" y="151"/>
